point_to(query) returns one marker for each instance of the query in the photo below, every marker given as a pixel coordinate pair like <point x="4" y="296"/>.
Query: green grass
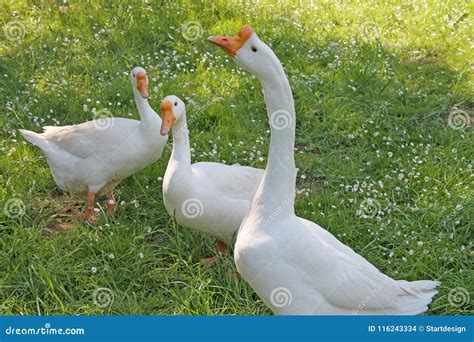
<point x="374" y="87"/>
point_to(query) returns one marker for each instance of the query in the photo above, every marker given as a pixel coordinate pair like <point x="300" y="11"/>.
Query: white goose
<point x="295" y="266"/>
<point x="212" y="198"/>
<point x="94" y="156"/>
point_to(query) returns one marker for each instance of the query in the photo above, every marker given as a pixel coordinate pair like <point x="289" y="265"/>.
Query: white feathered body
<point x="299" y="268"/>
<point x="96" y="155"/>
<point x="212" y="198"/>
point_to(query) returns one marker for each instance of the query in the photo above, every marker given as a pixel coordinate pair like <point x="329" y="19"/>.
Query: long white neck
<point x="181" y="152"/>
<point x="148" y="117"/>
<point x="277" y="189"/>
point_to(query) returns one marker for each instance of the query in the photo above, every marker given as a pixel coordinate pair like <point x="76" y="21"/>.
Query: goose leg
<point x="111" y="204"/>
<point x="221" y="248"/>
<point x="88" y="215"/>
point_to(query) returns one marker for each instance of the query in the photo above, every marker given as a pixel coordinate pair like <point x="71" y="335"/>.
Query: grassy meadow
<point x="384" y="144"/>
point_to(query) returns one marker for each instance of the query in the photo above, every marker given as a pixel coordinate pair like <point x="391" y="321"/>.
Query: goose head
<point x="247" y="50"/>
<point x="139" y="79"/>
<point x="172" y="110"/>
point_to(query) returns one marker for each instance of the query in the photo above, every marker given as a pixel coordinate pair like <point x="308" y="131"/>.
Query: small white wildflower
<point x="94" y="269"/>
<point x="111" y="256"/>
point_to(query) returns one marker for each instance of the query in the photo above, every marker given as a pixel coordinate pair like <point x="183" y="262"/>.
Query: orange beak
<point x="142" y="84"/>
<point x="232" y="44"/>
<point x="167" y="117"/>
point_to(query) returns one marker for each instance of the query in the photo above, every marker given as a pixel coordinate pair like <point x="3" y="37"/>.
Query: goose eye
<point x="254" y="49"/>
<point x="133" y="75"/>
<point x="176" y="103"/>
